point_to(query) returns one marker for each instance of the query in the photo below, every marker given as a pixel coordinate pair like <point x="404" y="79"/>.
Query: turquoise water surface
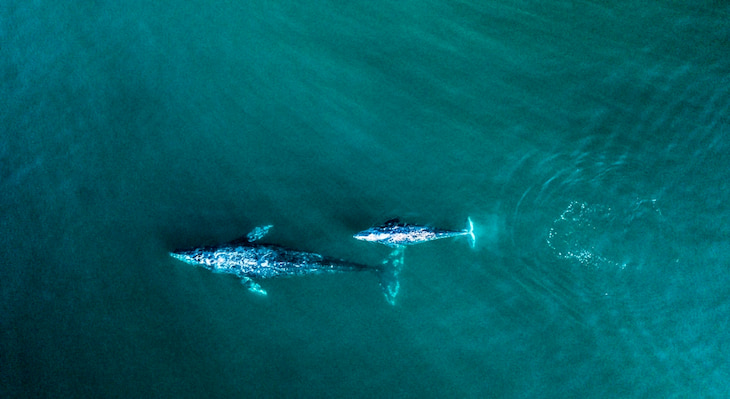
<point x="587" y="140"/>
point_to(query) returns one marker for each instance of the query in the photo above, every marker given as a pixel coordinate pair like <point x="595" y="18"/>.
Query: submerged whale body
<point x="396" y="234"/>
<point x="250" y="261"/>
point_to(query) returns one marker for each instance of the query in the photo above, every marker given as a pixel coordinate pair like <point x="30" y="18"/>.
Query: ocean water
<point x="588" y="141"/>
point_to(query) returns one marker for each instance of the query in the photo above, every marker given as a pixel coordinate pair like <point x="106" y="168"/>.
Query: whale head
<point x="371" y="235"/>
<point x="193" y="257"/>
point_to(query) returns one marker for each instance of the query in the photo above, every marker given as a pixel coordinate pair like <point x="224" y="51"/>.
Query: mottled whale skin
<point x="396" y="234"/>
<point x="249" y="261"/>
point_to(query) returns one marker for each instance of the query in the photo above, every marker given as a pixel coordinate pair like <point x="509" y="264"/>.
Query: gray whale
<point x="396" y="234"/>
<point x="249" y="260"/>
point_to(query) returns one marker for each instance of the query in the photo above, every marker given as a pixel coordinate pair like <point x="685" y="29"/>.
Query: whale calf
<point x="249" y="260"/>
<point x="396" y="234"/>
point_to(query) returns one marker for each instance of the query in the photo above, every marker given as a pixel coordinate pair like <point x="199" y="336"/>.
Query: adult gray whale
<point x="249" y="260"/>
<point x="396" y="234"/>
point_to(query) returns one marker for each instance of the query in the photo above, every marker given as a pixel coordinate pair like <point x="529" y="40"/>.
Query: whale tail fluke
<point x="470" y="233"/>
<point x="388" y="275"/>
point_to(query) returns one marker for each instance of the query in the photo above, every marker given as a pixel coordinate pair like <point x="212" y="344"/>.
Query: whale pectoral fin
<point x="253" y="286"/>
<point x="258" y="232"/>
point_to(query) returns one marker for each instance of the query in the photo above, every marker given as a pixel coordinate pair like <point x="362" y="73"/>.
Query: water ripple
<point x="600" y="236"/>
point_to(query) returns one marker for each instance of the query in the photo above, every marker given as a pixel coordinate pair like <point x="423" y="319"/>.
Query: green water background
<point x="587" y="140"/>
